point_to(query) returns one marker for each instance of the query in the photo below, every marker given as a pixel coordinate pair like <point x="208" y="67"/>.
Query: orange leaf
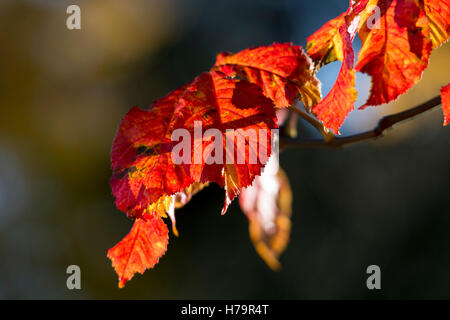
<point x="325" y="45"/>
<point x="445" y="98"/>
<point x="140" y="249"/>
<point x="396" y="53"/>
<point x="283" y="71"/>
<point x="438" y="14"/>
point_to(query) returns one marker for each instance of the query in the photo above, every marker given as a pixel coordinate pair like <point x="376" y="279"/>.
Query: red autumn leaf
<point x="140" y="249"/>
<point x="334" y="42"/>
<point x="267" y="205"/>
<point x="143" y="170"/>
<point x="283" y="71"/>
<point x="396" y="52"/>
<point x="141" y="155"/>
<point x="438" y="14"/>
<point x="338" y="103"/>
<point x="236" y="105"/>
<point x="445" y="98"/>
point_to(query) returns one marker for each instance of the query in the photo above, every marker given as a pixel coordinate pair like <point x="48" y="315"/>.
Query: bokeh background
<point x="63" y="93"/>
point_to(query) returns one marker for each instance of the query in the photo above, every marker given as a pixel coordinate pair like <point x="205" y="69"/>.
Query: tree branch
<point x="384" y="124"/>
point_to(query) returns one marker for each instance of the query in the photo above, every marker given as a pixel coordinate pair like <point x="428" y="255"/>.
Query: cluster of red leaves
<point x="395" y="50"/>
<point x="242" y="91"/>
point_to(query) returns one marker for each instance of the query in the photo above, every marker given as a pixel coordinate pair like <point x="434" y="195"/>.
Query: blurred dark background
<point x="63" y="93"/>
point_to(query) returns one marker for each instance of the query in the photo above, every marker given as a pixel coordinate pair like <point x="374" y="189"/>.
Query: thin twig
<point x="314" y="122"/>
<point x="384" y="124"/>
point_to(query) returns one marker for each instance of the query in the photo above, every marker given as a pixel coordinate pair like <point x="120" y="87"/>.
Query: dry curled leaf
<point x="267" y="204"/>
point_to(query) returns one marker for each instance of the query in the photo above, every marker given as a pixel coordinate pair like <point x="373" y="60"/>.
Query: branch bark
<point x="336" y="141"/>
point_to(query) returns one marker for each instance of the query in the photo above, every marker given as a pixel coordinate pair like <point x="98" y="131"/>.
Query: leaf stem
<point x="327" y="136"/>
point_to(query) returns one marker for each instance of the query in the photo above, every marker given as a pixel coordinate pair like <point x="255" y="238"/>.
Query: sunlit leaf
<point x="283" y="71"/>
<point x="325" y="45"/>
<point x="438" y="14"/>
<point x="396" y="53"/>
<point x="338" y="103"/>
<point x="140" y="249"/>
